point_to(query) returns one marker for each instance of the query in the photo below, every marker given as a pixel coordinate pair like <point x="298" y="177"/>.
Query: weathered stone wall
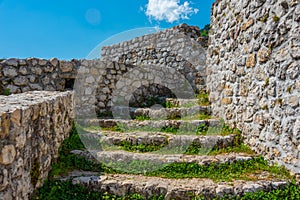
<point x="22" y="75"/>
<point x="253" y="74"/>
<point x="32" y="74"/>
<point x="33" y="126"/>
<point x="179" y="47"/>
<point x="96" y="80"/>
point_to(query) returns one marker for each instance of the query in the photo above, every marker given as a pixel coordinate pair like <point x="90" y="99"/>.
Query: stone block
<point x="8" y="154"/>
<point x="251" y="60"/>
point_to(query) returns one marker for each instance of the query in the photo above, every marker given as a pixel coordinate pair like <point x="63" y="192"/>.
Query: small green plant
<point x="201" y="116"/>
<point x="203" y="98"/>
<point x="264" y="18"/>
<point x="115" y="128"/>
<point x="270" y="47"/>
<point x="276" y="18"/>
<point x="265" y="107"/>
<point x="267" y="81"/>
<point x="7" y="92"/>
<point x="202" y="129"/>
<point x="239" y="148"/>
<point x="205" y="31"/>
<point x="221" y="172"/>
<point x="170" y="105"/>
<point x="127" y="146"/>
<point x="142" y="118"/>
<point x="169" y="129"/>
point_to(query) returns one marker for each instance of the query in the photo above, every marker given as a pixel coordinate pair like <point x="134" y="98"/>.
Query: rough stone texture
<point x="179" y="47"/>
<point x="125" y="156"/>
<point x="167" y="113"/>
<point x="185" y="189"/>
<point x="33" y="125"/>
<point x="95" y="81"/>
<point x="189" y="127"/>
<point x="182" y="102"/>
<point x="161" y="139"/>
<point x="261" y="67"/>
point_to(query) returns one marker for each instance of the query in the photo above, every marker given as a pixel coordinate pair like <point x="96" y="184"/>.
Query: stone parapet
<point x="33" y="126"/>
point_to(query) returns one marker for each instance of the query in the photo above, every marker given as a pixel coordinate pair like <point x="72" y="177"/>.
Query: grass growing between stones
<point x="141" y="148"/>
<point x="183" y="129"/>
<point x="194" y="148"/>
<point x="65" y="190"/>
<point x="142" y="118"/>
<point x="243" y="170"/>
<point x="239" y="148"/>
<point x="203" y="99"/>
<point x="291" y="191"/>
<point x="200" y="116"/>
<point x="67" y="162"/>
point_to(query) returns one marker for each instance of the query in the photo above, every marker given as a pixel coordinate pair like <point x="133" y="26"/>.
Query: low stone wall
<point x="96" y="80"/>
<point x="33" y="126"/>
<point x="22" y="75"/>
<point x="179" y="47"/>
<point x="32" y="74"/>
<point x="253" y="74"/>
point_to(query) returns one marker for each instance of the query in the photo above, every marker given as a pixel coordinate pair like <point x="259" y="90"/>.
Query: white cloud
<point x="169" y="10"/>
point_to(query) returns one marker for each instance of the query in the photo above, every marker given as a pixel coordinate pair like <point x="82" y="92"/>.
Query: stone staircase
<point x="172" y="154"/>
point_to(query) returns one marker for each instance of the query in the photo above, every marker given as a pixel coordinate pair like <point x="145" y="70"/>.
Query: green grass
<point x="185" y="129"/>
<point x="221" y="172"/>
<point x="242" y="170"/>
<point x="203" y="98"/>
<point x="127" y="146"/>
<point x="240" y="148"/>
<point x="67" y="161"/>
<point x="58" y="190"/>
<point x="194" y="148"/>
<point x="264" y="18"/>
<point x="200" y="116"/>
<point x="113" y="129"/>
<point x="7" y="92"/>
<point x="291" y="191"/>
<point x="142" y="118"/>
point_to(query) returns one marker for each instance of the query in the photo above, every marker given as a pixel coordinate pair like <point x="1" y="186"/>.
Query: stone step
<point x="161" y="139"/>
<point x="122" y="184"/>
<point x="171" y="113"/>
<point x="181" y="102"/>
<point x="184" y="127"/>
<point x="159" y="158"/>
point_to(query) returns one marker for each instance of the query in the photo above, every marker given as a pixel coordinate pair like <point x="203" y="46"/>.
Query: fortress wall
<point x="180" y="48"/>
<point x="253" y="71"/>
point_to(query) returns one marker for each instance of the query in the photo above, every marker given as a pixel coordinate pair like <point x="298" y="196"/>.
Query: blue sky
<point x="68" y="29"/>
